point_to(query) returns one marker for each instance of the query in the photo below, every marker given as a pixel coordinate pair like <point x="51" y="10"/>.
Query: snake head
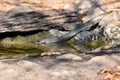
<point x="42" y="41"/>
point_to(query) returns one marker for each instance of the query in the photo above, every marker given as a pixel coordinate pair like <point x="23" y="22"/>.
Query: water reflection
<point x="18" y="46"/>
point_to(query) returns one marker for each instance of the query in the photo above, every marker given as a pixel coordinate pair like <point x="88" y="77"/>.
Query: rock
<point x="69" y="57"/>
<point x="50" y="53"/>
<point x="22" y="19"/>
<point x="22" y="70"/>
<point x="55" y="33"/>
<point x="112" y="32"/>
<point x="114" y="16"/>
<point x="56" y="69"/>
<point x="92" y="8"/>
<point x="19" y="9"/>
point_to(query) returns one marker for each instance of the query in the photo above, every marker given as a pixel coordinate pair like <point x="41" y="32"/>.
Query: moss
<point x="71" y="42"/>
<point x="17" y="42"/>
<point x="88" y="45"/>
<point x="11" y="47"/>
<point x="20" y="45"/>
<point x="74" y="45"/>
<point x="98" y="43"/>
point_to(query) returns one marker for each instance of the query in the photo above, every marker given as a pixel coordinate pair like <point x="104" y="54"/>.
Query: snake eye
<point x="37" y="42"/>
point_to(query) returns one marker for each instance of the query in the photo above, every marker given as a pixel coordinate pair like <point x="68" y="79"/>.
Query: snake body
<point x="71" y="34"/>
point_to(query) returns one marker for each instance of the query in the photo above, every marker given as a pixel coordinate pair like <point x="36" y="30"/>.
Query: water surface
<point x="18" y="46"/>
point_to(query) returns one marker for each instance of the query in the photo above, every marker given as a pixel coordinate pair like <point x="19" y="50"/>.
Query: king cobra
<point x="71" y="34"/>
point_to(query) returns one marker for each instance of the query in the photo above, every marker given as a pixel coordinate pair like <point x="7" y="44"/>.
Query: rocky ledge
<point x="44" y="68"/>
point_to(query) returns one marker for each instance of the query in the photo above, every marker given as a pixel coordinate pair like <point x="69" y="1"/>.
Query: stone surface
<point x="90" y="7"/>
<point x="114" y="16"/>
<point x="24" y="18"/>
<point x="93" y="8"/>
<point x="69" y="57"/>
<point x="50" y="53"/>
<point x="54" y="69"/>
<point x="38" y="4"/>
<point x="60" y="4"/>
<point x="112" y="32"/>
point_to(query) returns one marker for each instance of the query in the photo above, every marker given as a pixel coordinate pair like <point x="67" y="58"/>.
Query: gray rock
<point x="55" y="33"/>
<point x="69" y="57"/>
<point x="24" y="18"/>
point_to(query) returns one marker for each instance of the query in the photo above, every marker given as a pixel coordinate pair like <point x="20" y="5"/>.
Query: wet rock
<point x="69" y="57"/>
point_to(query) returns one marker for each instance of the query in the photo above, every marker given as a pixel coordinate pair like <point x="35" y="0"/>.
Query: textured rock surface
<point x="93" y="8"/>
<point x="53" y="69"/>
<point x="112" y="31"/>
<point x="70" y="57"/>
<point x="59" y="4"/>
<point x="21" y="19"/>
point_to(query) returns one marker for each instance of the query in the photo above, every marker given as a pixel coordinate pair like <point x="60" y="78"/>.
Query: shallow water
<point x="18" y="46"/>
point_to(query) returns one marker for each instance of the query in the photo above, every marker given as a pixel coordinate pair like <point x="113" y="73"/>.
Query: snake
<point x="75" y="31"/>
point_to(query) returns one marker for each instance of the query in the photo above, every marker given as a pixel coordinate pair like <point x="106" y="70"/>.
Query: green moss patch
<point x="21" y="45"/>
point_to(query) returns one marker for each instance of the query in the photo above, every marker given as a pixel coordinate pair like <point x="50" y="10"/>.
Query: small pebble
<point x="69" y="57"/>
<point x="50" y="53"/>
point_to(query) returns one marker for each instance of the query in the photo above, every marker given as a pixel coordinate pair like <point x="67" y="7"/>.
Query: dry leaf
<point x="110" y="74"/>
